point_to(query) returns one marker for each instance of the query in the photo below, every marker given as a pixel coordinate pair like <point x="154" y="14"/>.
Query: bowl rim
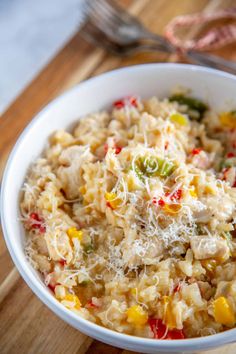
<point x="86" y="326"/>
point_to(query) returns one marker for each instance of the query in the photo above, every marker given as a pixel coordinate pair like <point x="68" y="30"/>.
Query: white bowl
<point x="215" y="87"/>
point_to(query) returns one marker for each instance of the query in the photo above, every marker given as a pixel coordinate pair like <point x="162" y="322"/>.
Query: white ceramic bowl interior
<point x="217" y="88"/>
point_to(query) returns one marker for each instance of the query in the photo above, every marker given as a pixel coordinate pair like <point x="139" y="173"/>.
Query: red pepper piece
<point x="166" y="145"/>
<point x="157" y="327"/>
<point x="119" y="104"/>
<point x="90" y="304"/>
<point x="177" y="288"/>
<point x="118" y="149"/>
<point x="154" y="200"/>
<point x="34" y="216"/>
<point x="234" y="185"/>
<point x="42" y="229"/>
<point x="130" y="100"/>
<point x="62" y="262"/>
<point x="176" y="195"/>
<point x="108" y="204"/>
<point x="160" y="331"/>
<point x="230" y="154"/>
<point x="133" y="101"/>
<point x="52" y="287"/>
<point x="196" y="151"/>
<point x="175" y="334"/>
<point x="39" y="222"/>
<point x="161" y="202"/>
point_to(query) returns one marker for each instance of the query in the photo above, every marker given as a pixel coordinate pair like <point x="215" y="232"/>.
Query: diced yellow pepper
<point x="113" y="200"/>
<point x="73" y="299"/>
<point x="172" y="208"/>
<point x="192" y="192"/>
<point x="179" y="119"/>
<point x="210" y="190"/>
<point x="223" y="312"/>
<point x="137" y="315"/>
<point x="228" y="119"/>
<point x="169" y="318"/>
<point x="72" y="232"/>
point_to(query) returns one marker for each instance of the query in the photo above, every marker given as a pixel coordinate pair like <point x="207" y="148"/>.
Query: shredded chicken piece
<point x="205" y="247"/>
<point x="70" y="171"/>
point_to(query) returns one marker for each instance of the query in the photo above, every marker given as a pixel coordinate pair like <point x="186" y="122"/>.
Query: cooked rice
<point x="155" y="244"/>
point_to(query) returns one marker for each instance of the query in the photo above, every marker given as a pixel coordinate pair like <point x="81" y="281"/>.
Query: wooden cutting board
<point x="26" y="325"/>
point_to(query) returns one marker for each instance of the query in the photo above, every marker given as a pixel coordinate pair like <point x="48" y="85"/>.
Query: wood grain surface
<point x="26" y="325"/>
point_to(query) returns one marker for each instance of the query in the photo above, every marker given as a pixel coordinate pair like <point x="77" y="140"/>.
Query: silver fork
<point x="94" y="35"/>
<point x="109" y="26"/>
<point x="119" y="25"/>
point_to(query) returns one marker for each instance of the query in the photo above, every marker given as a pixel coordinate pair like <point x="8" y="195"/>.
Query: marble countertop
<point x="31" y="32"/>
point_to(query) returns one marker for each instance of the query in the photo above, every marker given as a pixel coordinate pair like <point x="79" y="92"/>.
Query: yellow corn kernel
<point x="209" y="264"/>
<point x="192" y="192"/>
<point x="113" y="200"/>
<point x="228" y="119"/>
<point x="223" y="312"/>
<point x="60" y="292"/>
<point x="110" y="196"/>
<point x="134" y="291"/>
<point x="169" y="318"/>
<point x="210" y="190"/>
<point x="179" y="119"/>
<point x="71" y="300"/>
<point x="72" y="232"/>
<point x="172" y="208"/>
<point x="137" y="315"/>
<point x="82" y="190"/>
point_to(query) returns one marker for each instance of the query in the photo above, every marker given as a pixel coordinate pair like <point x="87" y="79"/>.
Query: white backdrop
<point x="31" y="32"/>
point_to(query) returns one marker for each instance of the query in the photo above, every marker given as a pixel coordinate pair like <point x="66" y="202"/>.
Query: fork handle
<point x="212" y="61"/>
<point x="197" y="57"/>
